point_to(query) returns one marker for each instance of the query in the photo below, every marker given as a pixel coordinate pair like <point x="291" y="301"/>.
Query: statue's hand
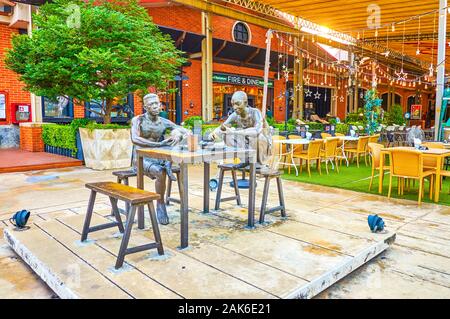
<point x="213" y="136"/>
<point x="168" y="141"/>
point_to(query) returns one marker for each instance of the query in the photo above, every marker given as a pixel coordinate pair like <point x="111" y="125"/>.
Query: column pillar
<point x="298" y="82"/>
<point x="440" y="65"/>
<point x="207" y="67"/>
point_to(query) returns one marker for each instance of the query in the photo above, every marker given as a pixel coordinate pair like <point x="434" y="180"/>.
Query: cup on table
<point x="192" y="143"/>
<point x="308" y="135"/>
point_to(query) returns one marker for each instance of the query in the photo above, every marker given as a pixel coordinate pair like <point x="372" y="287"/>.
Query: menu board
<point x="2" y="106"/>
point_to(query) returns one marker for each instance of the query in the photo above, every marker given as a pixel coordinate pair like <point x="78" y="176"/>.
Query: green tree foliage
<point x="372" y="111"/>
<point x="99" y="50"/>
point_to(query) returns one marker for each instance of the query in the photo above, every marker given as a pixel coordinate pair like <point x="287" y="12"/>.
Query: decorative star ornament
<point x="298" y="87"/>
<point x="317" y="95"/>
<point x="307" y="80"/>
<point x="401" y="76"/>
<point x="297" y="61"/>
<point x="341" y="99"/>
<point x="308" y="93"/>
<point x="334" y="97"/>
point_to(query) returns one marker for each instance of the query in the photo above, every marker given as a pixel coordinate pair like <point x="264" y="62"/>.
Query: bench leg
<point x="281" y="196"/>
<point x="125" y="182"/>
<point x="264" y="200"/>
<point x="116" y="213"/>
<point x="87" y="220"/>
<point x="125" y="238"/>
<point x="236" y="187"/>
<point x="155" y="228"/>
<point x="219" y="189"/>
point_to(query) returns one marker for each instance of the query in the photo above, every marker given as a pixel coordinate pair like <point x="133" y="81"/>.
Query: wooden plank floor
<point x="294" y="258"/>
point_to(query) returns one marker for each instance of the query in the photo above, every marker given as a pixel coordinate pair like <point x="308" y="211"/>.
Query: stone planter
<point x="106" y="149"/>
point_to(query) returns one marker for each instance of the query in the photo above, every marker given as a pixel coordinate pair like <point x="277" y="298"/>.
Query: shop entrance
<point x="228" y="108"/>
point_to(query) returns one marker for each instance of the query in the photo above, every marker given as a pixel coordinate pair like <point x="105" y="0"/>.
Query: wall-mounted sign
<point x="240" y="80"/>
<point x="416" y="112"/>
<point x="2" y="106"/>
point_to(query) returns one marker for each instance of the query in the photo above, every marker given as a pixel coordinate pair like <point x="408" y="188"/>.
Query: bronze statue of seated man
<point x="251" y="130"/>
<point x="148" y="130"/>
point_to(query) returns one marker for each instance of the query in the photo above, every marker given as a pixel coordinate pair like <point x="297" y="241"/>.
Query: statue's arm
<point x="136" y="135"/>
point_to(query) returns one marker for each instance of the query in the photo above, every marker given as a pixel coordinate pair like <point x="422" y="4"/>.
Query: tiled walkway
<point x="16" y="160"/>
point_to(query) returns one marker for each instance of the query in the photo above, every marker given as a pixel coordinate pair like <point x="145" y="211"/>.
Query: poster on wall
<point x="2" y="106"/>
<point x="416" y="112"/>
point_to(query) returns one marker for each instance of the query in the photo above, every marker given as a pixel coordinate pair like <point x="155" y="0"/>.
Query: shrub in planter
<point x="60" y="139"/>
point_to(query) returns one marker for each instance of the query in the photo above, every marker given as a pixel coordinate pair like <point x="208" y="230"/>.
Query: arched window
<point x="241" y="33"/>
<point x="397" y="99"/>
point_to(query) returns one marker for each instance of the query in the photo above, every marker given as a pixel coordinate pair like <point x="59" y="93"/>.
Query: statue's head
<point x="239" y="101"/>
<point x="152" y="104"/>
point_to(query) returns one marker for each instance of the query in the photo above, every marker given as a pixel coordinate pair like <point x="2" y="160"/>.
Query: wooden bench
<point x="135" y="198"/>
<point x="124" y="177"/>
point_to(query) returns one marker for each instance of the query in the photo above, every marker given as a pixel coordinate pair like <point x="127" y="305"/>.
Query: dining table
<point x="437" y="153"/>
<point x="184" y="157"/>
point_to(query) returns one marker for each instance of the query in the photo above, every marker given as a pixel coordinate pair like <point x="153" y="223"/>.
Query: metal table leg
<point x="184" y="207"/>
<point x="140" y="185"/>
<point x="252" y="195"/>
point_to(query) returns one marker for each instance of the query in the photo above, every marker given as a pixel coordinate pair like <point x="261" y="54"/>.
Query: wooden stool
<point x="135" y="198"/>
<point x="169" y="199"/>
<point x="268" y="175"/>
<point x="123" y="176"/>
<point x="222" y="169"/>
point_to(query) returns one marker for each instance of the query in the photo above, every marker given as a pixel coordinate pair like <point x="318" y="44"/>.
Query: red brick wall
<point x="192" y="90"/>
<point x="9" y="81"/>
<point x="31" y="137"/>
<point x="177" y="17"/>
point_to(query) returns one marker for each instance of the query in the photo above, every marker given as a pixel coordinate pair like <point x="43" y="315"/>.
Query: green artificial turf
<point x="358" y="179"/>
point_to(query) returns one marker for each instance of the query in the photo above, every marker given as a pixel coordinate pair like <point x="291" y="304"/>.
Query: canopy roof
<point x="351" y="17"/>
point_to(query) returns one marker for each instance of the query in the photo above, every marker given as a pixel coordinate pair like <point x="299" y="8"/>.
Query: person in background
<point x="163" y="112"/>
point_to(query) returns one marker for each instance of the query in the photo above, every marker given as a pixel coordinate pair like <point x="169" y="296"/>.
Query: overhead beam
<point x="217" y="52"/>
<point x="180" y="39"/>
<point x="252" y="55"/>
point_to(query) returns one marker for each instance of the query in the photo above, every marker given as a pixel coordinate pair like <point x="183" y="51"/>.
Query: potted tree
<point x="97" y="50"/>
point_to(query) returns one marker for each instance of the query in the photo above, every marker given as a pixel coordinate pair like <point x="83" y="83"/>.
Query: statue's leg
<point x="168" y="167"/>
<point x="158" y="172"/>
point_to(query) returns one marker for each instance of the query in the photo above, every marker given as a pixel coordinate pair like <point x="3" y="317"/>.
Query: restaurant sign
<point x="240" y="80"/>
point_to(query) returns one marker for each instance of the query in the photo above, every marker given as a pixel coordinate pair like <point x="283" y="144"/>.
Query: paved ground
<point x="417" y="266"/>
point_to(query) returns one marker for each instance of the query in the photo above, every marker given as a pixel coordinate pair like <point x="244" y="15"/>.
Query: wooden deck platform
<point x="16" y="160"/>
<point x="293" y="258"/>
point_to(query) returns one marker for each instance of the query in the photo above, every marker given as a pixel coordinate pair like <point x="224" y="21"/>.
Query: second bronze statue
<point x="148" y="130"/>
